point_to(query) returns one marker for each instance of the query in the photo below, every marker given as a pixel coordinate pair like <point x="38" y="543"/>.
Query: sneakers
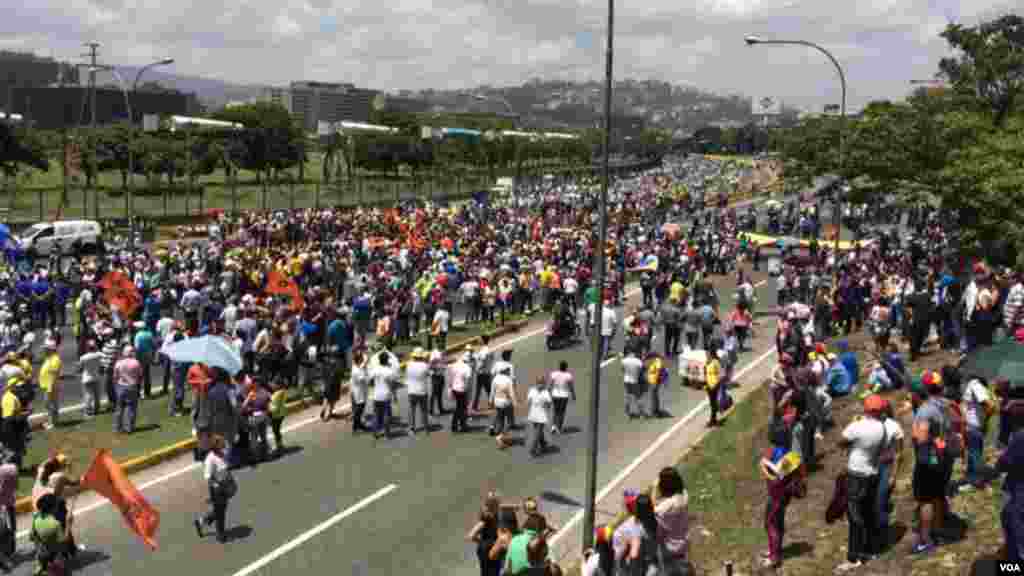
<point x="848" y="566"/>
<point x="199" y="527"/>
<point x="922" y="548"/>
<point x="554" y="430"/>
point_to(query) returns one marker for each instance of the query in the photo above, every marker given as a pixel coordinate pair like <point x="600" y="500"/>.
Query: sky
<point x="461" y="44"/>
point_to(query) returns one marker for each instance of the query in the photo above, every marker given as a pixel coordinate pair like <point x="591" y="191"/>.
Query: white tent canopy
<point x="178" y="122"/>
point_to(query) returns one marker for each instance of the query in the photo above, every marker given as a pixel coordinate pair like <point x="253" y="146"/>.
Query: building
<point x="56" y="107"/>
<point x="23" y="70"/>
<point x="406" y="104"/>
<point x="313" y="102"/>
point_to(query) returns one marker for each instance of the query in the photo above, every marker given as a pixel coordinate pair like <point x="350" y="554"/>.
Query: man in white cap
<point x="49" y="380"/>
<point x="127" y="377"/>
<point x="459" y="376"/>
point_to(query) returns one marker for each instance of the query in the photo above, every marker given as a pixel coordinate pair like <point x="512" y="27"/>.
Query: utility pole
<point x="92" y="55"/>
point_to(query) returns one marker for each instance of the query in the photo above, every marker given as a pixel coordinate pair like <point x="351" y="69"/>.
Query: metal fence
<point x="25" y="205"/>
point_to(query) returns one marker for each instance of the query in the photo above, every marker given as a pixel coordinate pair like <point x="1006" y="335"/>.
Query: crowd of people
<point x="315" y="299"/>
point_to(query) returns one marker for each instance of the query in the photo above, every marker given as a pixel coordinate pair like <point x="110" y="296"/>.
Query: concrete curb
<point x="24" y="505"/>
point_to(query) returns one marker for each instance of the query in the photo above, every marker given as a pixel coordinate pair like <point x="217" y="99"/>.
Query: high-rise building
<point x="313" y="102"/>
<point x="24" y="70"/>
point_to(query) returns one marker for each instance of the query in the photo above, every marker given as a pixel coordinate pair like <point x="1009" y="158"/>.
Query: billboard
<point x="766" y="106"/>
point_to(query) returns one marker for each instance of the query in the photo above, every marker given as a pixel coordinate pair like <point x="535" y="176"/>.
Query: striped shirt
<point x="1014" y="306"/>
<point x="108" y="353"/>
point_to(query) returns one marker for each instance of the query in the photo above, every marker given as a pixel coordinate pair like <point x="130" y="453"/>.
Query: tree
<point x="989" y="67"/>
<point x="18" y="148"/>
<point x="272" y="140"/>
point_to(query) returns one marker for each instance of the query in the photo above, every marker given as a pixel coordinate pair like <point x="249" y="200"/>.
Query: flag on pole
<point x="105" y="477"/>
<point x="278" y="283"/>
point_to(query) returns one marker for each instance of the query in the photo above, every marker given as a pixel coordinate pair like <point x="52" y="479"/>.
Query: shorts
<point x="929" y="483"/>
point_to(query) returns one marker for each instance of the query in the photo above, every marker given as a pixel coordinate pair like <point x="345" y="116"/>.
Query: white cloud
<point x="392" y="44"/>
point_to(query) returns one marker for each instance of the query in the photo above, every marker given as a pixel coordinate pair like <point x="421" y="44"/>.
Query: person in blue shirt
<point x="151" y="311"/>
<point x="849" y="360"/>
<point x="145" y="347"/>
<point x="41" y="296"/>
<point x="339" y="338"/>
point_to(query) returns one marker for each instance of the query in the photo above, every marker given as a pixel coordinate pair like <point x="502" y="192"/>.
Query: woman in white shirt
<point x="416" y="373"/>
<point x="562" y="390"/>
<point x="384" y="375"/>
<point x="222" y="487"/>
<point x="357" y="388"/>
<point x="539" y="404"/>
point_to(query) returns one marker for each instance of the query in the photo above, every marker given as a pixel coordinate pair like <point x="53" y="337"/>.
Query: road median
<point x="160" y="437"/>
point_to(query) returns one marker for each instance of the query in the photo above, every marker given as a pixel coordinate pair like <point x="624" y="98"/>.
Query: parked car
<point x="64" y="236"/>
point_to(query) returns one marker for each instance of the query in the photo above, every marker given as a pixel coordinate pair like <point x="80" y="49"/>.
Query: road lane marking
<point x="302" y="423"/>
<point x="315" y="530"/>
<point x="647" y="453"/>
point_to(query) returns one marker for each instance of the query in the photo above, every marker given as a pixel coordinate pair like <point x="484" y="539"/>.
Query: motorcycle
<point x="563" y="333"/>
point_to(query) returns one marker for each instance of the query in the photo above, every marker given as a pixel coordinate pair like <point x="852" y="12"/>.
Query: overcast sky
<point x="450" y="44"/>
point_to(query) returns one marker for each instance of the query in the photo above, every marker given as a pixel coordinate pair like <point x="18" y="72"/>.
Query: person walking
<point x="562" y="387"/>
<point x="89" y="365"/>
<point x="539" y="403"/>
<point x="417" y="370"/>
<point x="145" y="347"/>
<point x="49" y="382"/>
<point x="484" y="361"/>
<point x="656" y="375"/>
<point x="358" y="381"/>
<point x="485" y="533"/>
<point x="222" y="405"/>
<point x="632" y="374"/>
<point x="459" y="375"/>
<point x="384" y="376"/>
<point x="221" y="486"/>
<point x="437" y="376"/>
<point x="127" y="377"/>
<point x="503" y="398"/>
<point x="866" y="439"/>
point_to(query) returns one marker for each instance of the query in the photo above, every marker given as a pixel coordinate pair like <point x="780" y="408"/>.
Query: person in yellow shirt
<point x="49" y="381"/>
<point x="713" y="378"/>
<point x="277" y="414"/>
<point x="15" y="423"/>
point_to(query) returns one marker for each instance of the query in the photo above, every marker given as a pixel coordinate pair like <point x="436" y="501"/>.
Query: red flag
<point x="106" y="477"/>
<point x="278" y="283"/>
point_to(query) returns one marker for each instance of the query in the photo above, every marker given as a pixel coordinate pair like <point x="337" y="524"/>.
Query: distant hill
<point x="211" y="92"/>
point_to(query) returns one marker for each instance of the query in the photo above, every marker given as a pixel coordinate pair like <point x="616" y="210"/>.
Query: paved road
<point x="385" y="506"/>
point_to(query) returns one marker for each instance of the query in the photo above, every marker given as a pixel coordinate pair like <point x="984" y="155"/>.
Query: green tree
<point x="988" y="69"/>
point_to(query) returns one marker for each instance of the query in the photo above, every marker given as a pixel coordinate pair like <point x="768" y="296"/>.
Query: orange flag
<point x="106" y="477"/>
<point x="278" y="283"/>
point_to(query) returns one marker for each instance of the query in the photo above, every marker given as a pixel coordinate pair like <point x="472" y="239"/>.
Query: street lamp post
<point x="836" y="216"/>
<point x="129" y="199"/>
<point x="599" y="252"/>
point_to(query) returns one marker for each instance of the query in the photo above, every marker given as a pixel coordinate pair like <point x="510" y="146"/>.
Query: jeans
<point x="775" y="524"/>
<point x="862" y="502"/>
<point x="146" y="360"/>
<point x="177" y="404"/>
<point x="1012" y="517"/>
<point x="436" y="394"/>
<point x="418" y="402"/>
<point x="605" y="343"/>
<point x="459" y="416"/>
<point x="382" y="417"/>
<point x="217" y="515"/>
<point x="53" y="405"/>
<point x="358" y="410"/>
<point x="483" y="388"/>
<point x="502" y="419"/>
<point x="656" y="400"/>
<point x="634" y="393"/>
<point x="127" y="405"/>
<point x="91" y="393"/>
<point x="560" y="405"/>
<point x="975" y="456"/>
<point x="884" y="505"/>
<point x="537" y="441"/>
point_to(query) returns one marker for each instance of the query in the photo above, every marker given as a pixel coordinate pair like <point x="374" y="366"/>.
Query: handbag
<point x="227" y="487"/>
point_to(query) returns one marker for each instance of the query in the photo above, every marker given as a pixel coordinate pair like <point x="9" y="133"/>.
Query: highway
<point x="358" y="505"/>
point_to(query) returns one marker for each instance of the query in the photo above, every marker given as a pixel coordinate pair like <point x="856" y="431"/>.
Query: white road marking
<point x="186" y="469"/>
<point x="608" y="488"/>
<point x="312" y="532"/>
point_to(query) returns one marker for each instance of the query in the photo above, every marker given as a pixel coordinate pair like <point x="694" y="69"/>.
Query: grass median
<point x="79" y="438"/>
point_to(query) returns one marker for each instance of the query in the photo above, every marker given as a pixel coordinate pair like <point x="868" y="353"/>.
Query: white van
<point x="63" y="236"/>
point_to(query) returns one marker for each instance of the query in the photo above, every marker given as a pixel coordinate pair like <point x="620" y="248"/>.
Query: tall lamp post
<point x="128" y="109"/>
<point x="129" y="197"/>
<point x="836" y="216"/>
<point x="599" y="251"/>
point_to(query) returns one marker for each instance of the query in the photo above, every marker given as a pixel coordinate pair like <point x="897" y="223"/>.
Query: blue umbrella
<point x="214" y="351"/>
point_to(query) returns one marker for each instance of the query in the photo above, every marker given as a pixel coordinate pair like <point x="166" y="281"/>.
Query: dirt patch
<point x="727" y="499"/>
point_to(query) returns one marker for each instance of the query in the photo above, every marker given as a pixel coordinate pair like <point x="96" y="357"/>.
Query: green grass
<point x="80" y="438"/>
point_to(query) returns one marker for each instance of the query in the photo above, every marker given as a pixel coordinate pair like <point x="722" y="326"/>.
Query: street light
<point x="129" y="197"/>
<point x="836" y="218"/>
<point x="593" y="420"/>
